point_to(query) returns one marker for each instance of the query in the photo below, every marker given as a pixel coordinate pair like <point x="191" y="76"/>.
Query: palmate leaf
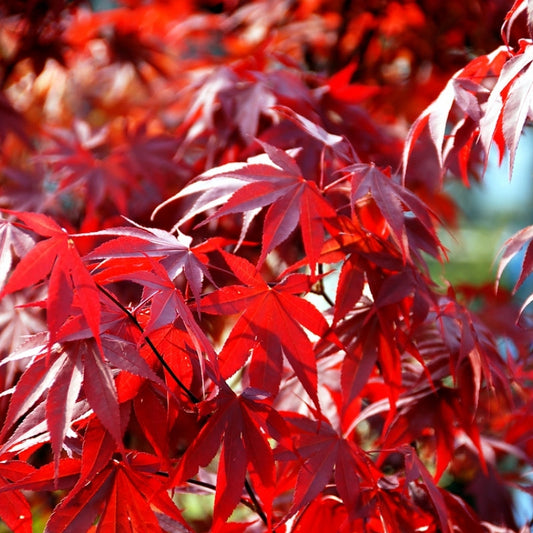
<point x="462" y="102"/>
<point x="98" y="385"/>
<point x="178" y="349"/>
<point x="47" y="478"/>
<point x="70" y="283"/>
<point x="150" y="156"/>
<point x="414" y="469"/>
<point x="272" y="179"/>
<point x="167" y="305"/>
<point x="175" y="253"/>
<point x="76" y="158"/>
<point x="17" y="322"/>
<point x="337" y="144"/>
<point x="497" y="115"/>
<point x="269" y="328"/>
<point x="33" y="432"/>
<point x="240" y="97"/>
<point x="427" y="405"/>
<point x="475" y="361"/>
<point x="241" y="426"/>
<point x="326" y="455"/>
<point x="508" y="105"/>
<point x="393" y="202"/>
<point x="57" y="379"/>
<point x="122" y="495"/>
<point x="378" y="327"/>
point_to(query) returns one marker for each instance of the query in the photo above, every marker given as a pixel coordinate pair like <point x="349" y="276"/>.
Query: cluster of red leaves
<point x="179" y="185"/>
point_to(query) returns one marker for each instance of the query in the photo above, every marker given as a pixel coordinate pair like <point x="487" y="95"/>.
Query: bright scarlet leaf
<point x="266" y="330"/>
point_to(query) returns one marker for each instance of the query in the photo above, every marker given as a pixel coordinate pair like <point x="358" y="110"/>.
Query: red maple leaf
<point x="462" y="102"/>
<point x="393" y="202"/>
<point x="176" y="254"/>
<point x="71" y="288"/>
<point x="55" y="379"/>
<point x="326" y="455"/>
<point x="167" y="305"/>
<point x="507" y="107"/>
<point x="88" y="166"/>
<point x="242" y="425"/>
<point x="511" y="247"/>
<point x="124" y="495"/>
<point x="272" y="179"/>
<point x="269" y="328"/>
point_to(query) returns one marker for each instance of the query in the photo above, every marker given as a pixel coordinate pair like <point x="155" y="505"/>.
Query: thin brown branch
<point x="159" y="356"/>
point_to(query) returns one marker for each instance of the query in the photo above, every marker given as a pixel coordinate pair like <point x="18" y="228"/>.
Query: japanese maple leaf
<point x="151" y="156"/>
<point x="176" y="347"/>
<point x="324" y="454"/>
<point x="242" y="425"/>
<point x="337" y="144"/>
<point x="124" y="495"/>
<point x="25" y="189"/>
<point x="474" y="360"/>
<point x="33" y="431"/>
<point x="270" y="327"/>
<point x="415" y="469"/>
<point x="70" y="283"/>
<point x="240" y="99"/>
<point x="460" y="102"/>
<point x="393" y="201"/>
<point x="57" y="379"/>
<point x="17" y="322"/>
<point x="508" y="105"/>
<point x="45" y="478"/>
<point x="272" y="179"/>
<point x="155" y="419"/>
<point x="343" y="89"/>
<point x="511" y="247"/>
<point x="175" y="253"/>
<point x="439" y="410"/>
<point x="84" y="161"/>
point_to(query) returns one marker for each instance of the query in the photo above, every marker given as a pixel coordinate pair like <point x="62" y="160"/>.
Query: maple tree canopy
<point x="217" y="312"/>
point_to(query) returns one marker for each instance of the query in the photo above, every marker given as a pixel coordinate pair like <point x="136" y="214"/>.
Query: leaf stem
<point x="159" y="356"/>
<point x="256" y="505"/>
<point x="322" y="290"/>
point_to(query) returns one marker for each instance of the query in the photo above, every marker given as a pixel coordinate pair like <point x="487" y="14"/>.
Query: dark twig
<point x="256" y="505"/>
<point x="321" y="289"/>
<point x="159" y="356"/>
